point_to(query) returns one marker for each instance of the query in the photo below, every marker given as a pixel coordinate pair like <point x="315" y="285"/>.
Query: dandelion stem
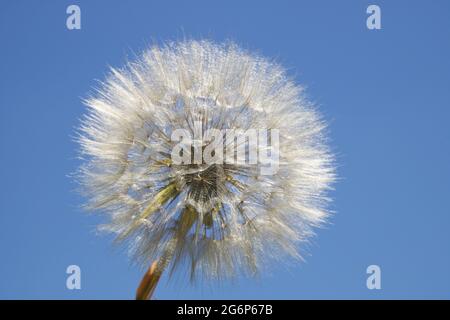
<point x="151" y="278"/>
<point x="149" y="282"/>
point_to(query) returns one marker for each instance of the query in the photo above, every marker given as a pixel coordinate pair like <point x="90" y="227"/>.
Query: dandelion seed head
<point x="216" y="220"/>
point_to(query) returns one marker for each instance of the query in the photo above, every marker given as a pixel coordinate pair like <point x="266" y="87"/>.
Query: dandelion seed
<point x="215" y="220"/>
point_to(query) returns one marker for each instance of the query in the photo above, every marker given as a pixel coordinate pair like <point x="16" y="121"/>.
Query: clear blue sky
<point x="386" y="94"/>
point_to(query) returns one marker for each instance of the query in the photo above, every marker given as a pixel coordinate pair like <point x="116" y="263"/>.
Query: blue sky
<point x="385" y="93"/>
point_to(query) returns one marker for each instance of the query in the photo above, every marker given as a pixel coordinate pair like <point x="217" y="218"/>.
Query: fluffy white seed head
<point x="216" y="220"/>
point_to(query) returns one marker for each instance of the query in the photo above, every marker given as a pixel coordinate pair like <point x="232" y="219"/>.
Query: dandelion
<point x="212" y="220"/>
